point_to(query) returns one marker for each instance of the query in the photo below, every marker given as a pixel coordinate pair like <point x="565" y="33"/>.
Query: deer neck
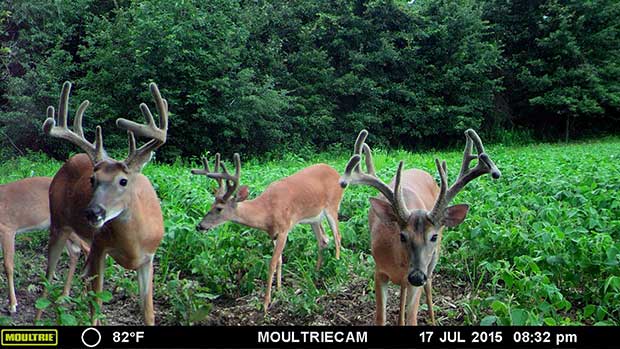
<point x="253" y="213"/>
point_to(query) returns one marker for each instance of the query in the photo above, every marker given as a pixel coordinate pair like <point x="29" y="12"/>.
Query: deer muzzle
<point x="417" y="278"/>
<point x="203" y="227"/>
<point x="95" y="215"/>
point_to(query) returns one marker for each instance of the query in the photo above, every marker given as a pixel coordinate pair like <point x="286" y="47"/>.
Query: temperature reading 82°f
<point x="127" y="336"/>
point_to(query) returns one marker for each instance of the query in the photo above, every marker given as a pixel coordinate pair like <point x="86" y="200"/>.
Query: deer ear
<point x="383" y="209"/>
<point x="455" y="215"/>
<point x="242" y="193"/>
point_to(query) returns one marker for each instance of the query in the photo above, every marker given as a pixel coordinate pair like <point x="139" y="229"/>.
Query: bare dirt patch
<point x="352" y="306"/>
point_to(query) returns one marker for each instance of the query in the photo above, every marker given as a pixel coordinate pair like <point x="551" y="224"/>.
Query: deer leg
<point x="321" y="240"/>
<point x="8" y="251"/>
<point x="95" y="268"/>
<point x="279" y="274"/>
<point x="145" y="284"/>
<point x="403" y="303"/>
<point x="54" y="249"/>
<point x="74" y="254"/>
<point x="278" y="271"/>
<point x="428" y="290"/>
<point x="332" y="220"/>
<point x="410" y="294"/>
<point x="381" y="289"/>
<point x="429" y="299"/>
<point x="413" y="303"/>
<point x="277" y="255"/>
<point x="83" y="245"/>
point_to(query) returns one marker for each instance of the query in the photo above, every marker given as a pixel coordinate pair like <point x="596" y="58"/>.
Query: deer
<point x="24" y="207"/>
<point x="306" y="197"/>
<point x="407" y="219"/>
<point x="108" y="203"/>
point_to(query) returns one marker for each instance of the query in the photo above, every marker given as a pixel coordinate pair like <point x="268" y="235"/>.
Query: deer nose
<point x="95" y="213"/>
<point x="417" y="278"/>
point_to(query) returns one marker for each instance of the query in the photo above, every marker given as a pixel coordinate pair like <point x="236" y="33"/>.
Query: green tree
<point x="577" y="71"/>
<point x="42" y="39"/>
<point x="263" y="76"/>
<point x="407" y="72"/>
<point x="559" y="61"/>
<point x="194" y="50"/>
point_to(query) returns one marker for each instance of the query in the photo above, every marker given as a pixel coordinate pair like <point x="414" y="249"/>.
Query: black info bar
<point x="313" y="336"/>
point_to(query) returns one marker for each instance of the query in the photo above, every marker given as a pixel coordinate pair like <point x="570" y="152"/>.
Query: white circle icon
<point x="98" y="335"/>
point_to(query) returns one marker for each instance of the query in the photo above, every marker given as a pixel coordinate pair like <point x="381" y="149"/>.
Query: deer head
<point x="112" y="181"/>
<point x="419" y="230"/>
<point x="224" y="207"/>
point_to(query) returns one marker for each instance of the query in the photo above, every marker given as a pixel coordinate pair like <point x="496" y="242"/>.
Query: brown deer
<point x="106" y="202"/>
<point x="24" y="207"/>
<point x="305" y="197"/>
<point x="407" y="220"/>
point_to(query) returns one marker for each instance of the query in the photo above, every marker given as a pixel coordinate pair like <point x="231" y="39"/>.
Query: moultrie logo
<point x="29" y="337"/>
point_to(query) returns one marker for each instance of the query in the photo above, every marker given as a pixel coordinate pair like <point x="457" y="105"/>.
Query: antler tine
<point x="441" y="202"/>
<point x="399" y="204"/>
<point x="467" y="157"/>
<point x="353" y="164"/>
<point x="345" y="179"/>
<point x="150" y="130"/>
<point x="216" y="168"/>
<point x="132" y="142"/>
<point x="232" y="181"/>
<point x="354" y="175"/>
<point x="466" y="175"/>
<point x="206" y="170"/>
<point x="482" y="155"/>
<point x="137" y="158"/>
<point x="360" y="141"/>
<point x="370" y="166"/>
<point x="95" y="151"/>
<point x="485" y="165"/>
<point x="63" y="105"/>
<point x="99" y="151"/>
<point x="77" y="122"/>
<point x="202" y="171"/>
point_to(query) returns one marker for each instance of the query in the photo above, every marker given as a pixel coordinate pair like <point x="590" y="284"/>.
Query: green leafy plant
<point x="71" y="310"/>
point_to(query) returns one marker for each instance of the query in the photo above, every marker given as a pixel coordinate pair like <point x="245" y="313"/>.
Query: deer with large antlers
<point x="106" y="202"/>
<point x="306" y="197"/>
<point x="24" y="207"/>
<point x="407" y="220"/>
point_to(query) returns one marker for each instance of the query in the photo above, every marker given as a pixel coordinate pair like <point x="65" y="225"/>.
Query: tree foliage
<point x="262" y="76"/>
<point x="561" y="60"/>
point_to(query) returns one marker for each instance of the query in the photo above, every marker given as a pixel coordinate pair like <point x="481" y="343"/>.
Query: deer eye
<point x="123" y="182"/>
<point x="218" y="209"/>
<point x="403" y="238"/>
<point x="434" y="238"/>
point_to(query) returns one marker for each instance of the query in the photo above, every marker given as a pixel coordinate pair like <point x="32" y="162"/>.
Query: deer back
<point x="24" y="205"/>
<point x="306" y="192"/>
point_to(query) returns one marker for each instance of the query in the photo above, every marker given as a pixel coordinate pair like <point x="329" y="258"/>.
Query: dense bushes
<point x="261" y="76"/>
